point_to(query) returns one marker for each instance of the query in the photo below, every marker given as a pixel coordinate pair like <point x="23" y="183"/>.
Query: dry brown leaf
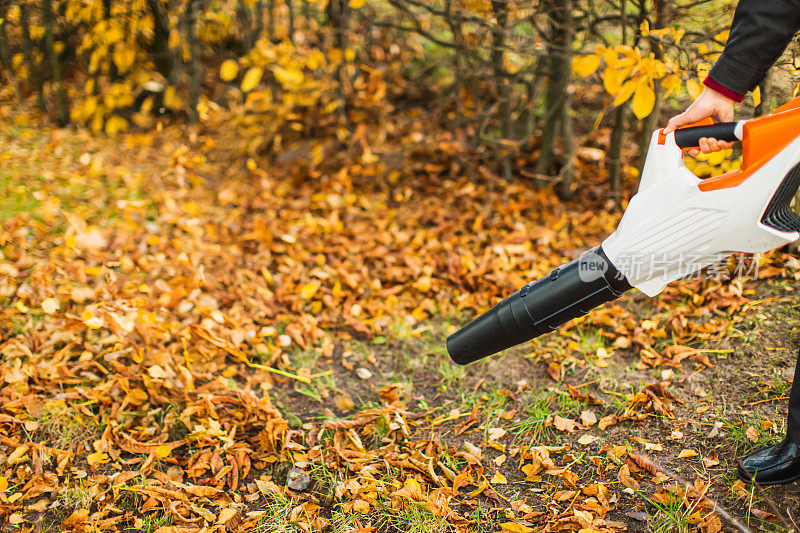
<point x="564" y="424"/>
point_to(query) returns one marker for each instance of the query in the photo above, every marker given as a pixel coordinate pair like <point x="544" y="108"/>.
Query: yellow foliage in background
<point x="713" y="164"/>
<point x="631" y="74"/>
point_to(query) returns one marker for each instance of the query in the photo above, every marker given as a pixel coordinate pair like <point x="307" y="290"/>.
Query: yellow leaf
<point x="308" y="290"/>
<point x="686" y="453"/>
<point x="91" y="321"/>
<point x="251" y="79"/>
<point x="228" y="70"/>
<point x="643" y="101"/>
<point x="163" y="451"/>
<point x="757" y="96"/>
<point x="716" y="158"/>
<point x="413" y="484"/>
<point x="289" y="78"/>
<point x="423" y="284"/>
<point x="513" y="527"/>
<point x="625" y="92"/>
<point x="50" y="306"/>
<point x="499" y="479"/>
<point x="226" y="515"/>
<point x="171" y="99"/>
<point x="3" y="484"/>
<point x="612" y="79"/>
<point x="644" y="27"/>
<point x="355" y="4"/>
<point x="97" y="458"/>
<point x="585" y="65"/>
<point x="694" y="88"/>
<point x="723" y="35"/>
<point x="671" y="83"/>
<point x="123" y="57"/>
<point x="115" y="124"/>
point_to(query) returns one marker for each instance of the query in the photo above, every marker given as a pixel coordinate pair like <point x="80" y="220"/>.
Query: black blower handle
<point x="569" y="291"/>
<point x="722" y="131"/>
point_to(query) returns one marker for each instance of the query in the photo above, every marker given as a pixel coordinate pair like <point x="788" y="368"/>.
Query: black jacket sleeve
<point x="760" y="32"/>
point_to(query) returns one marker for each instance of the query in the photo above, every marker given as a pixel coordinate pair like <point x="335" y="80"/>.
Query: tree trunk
<point x="246" y="25"/>
<point x="528" y="119"/>
<point x="271" y="20"/>
<point x="617" y="133"/>
<point x="162" y="55"/>
<point x="63" y="115"/>
<point x="113" y="74"/>
<point x="338" y="13"/>
<point x="502" y="84"/>
<point x="307" y="13"/>
<point x="454" y="22"/>
<point x="559" y="69"/>
<point x="565" y="189"/>
<point x="256" y="33"/>
<point x="290" y="8"/>
<point x="27" y="48"/>
<point x="5" y="54"/>
<point x="195" y="72"/>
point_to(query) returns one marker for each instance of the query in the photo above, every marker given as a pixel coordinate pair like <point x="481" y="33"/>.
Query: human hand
<point x="712" y="104"/>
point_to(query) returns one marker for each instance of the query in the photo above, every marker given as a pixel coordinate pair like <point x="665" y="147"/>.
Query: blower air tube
<point x="569" y="291"/>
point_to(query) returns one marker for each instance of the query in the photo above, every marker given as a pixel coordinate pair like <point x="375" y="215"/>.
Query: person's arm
<point x="760" y="31"/>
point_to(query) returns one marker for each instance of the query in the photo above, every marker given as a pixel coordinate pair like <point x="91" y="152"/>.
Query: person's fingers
<point x="724" y="145"/>
<point x="679" y="120"/>
<point x="694" y="152"/>
<point x="713" y="144"/>
<point x="703" y="144"/>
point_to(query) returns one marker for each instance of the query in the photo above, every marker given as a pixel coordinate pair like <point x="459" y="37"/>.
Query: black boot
<point x="779" y="463"/>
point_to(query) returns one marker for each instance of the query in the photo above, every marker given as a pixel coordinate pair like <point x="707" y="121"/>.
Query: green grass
<point x="74" y="496"/>
<point x="482" y="520"/>
<point x="737" y="435"/>
<point x="276" y="518"/>
<point x="532" y="426"/>
<point x="670" y="517"/>
<point x="15" y="200"/>
<point x="414" y="519"/>
<point x="151" y="522"/>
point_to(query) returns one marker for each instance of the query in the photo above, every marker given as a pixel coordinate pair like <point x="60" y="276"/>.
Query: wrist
<point x="719" y="91"/>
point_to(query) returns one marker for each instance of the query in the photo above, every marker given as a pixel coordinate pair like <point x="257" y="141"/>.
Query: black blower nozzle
<point x="569" y="291"/>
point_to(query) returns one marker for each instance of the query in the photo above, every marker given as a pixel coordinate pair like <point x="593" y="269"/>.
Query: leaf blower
<point x="674" y="225"/>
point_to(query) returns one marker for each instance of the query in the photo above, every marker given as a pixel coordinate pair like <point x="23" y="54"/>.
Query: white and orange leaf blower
<point x="674" y="225"/>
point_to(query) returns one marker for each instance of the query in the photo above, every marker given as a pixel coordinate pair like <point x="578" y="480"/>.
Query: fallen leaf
<point x="343" y="402"/>
<point x="564" y="424"/>
<point x="50" y="306"/>
<point x="624" y="476"/>
<point x="686" y="453"/>
<point x="498" y="479"/>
